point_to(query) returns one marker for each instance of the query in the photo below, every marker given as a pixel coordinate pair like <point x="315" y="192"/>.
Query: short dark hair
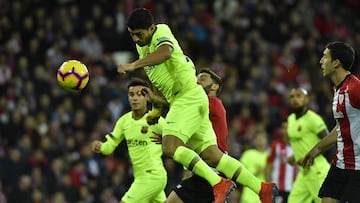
<point x="140" y="18"/>
<point x="343" y="52"/>
<point x="138" y="82"/>
<point x="216" y="78"/>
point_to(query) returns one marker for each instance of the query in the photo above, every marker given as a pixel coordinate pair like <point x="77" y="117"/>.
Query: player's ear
<point x="336" y="63"/>
<point x="215" y="87"/>
<point x="307" y="99"/>
<point x="152" y="27"/>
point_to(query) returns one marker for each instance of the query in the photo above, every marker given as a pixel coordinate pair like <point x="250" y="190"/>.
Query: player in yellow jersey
<point x="187" y="121"/>
<point x="254" y="159"/>
<point x="150" y="176"/>
<point x="305" y="129"/>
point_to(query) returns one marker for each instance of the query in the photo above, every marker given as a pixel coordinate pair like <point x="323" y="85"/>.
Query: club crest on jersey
<point x="341" y="98"/>
<point x="299" y="128"/>
<point x="144" y="129"/>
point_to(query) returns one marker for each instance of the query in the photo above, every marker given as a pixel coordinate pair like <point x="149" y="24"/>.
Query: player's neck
<point x="337" y="79"/>
<point x="300" y="112"/>
<point x="138" y="113"/>
<point x="212" y="93"/>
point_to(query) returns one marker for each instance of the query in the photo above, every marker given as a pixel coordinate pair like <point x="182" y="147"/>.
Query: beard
<point x="207" y="88"/>
<point x="298" y="110"/>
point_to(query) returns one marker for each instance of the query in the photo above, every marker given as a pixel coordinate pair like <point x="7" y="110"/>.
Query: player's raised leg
<point x="173" y="147"/>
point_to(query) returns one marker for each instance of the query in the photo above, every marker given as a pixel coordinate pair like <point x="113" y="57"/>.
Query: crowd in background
<point x="260" y="48"/>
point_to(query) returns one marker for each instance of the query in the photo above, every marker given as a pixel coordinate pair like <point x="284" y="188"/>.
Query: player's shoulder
<point x="310" y="114"/>
<point x="162" y="27"/>
<point x="249" y="152"/>
<point x="214" y="100"/>
<point x="313" y="117"/>
<point x="353" y="83"/>
<point x="125" y="117"/>
<point x="162" y="30"/>
<point x="291" y="117"/>
<point x="161" y="121"/>
<point x="162" y="35"/>
<point x="355" y="78"/>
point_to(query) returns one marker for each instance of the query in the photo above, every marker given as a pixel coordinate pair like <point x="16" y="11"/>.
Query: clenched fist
<point x="96" y="146"/>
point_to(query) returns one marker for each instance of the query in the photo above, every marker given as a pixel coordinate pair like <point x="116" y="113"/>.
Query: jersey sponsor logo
<point x="136" y="142"/>
<point x="144" y="129"/>
<point x="341" y="98"/>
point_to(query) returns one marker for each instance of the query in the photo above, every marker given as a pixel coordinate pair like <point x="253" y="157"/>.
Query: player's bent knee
<point x="168" y="151"/>
<point x="169" y="145"/>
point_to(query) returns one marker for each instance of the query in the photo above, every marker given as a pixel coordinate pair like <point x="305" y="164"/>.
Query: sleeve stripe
<point x="111" y="136"/>
<point x="168" y="42"/>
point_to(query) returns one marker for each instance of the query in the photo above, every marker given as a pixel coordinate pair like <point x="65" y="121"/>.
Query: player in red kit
<point x="194" y="188"/>
<point x="280" y="167"/>
<point x="211" y="83"/>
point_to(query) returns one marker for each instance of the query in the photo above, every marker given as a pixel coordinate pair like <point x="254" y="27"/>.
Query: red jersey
<point x="346" y="111"/>
<point x="283" y="174"/>
<point x="218" y="120"/>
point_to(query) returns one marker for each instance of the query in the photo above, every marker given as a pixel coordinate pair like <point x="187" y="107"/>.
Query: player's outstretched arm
<point x="160" y="55"/>
<point x="319" y="148"/>
<point x="106" y="147"/>
<point x="155" y="97"/>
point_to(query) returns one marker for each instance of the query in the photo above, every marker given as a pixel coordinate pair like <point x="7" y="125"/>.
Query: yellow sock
<point x="191" y="160"/>
<point x="236" y="171"/>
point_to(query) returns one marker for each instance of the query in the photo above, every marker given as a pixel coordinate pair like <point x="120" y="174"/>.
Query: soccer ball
<point x="73" y="76"/>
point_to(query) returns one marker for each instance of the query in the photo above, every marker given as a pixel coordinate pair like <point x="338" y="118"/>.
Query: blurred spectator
<point x="5" y="73"/>
<point x="59" y="197"/>
<point x="38" y="159"/>
<point x="323" y="20"/>
<point x="54" y="176"/>
<point x="225" y="10"/>
<point x="22" y="191"/>
<point x="2" y="194"/>
<point x="107" y="196"/>
<point x="254" y="159"/>
<point x="13" y="166"/>
<point x="90" y="44"/>
<point x="278" y="170"/>
<point x="67" y="192"/>
<point x="37" y="197"/>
